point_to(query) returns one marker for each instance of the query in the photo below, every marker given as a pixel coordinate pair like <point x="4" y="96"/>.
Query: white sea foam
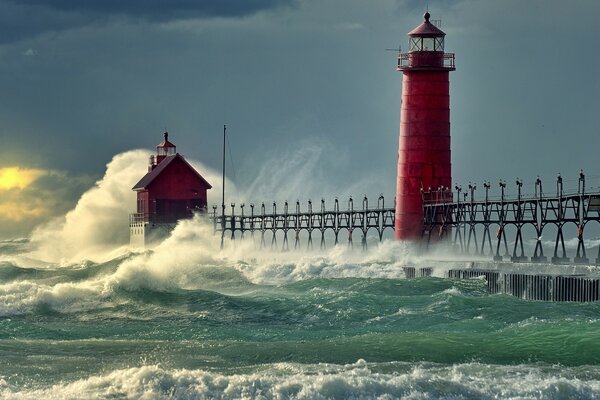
<point x="191" y="259"/>
<point x="454" y="291"/>
<point x="180" y="259"/>
<point x="361" y="380"/>
<point x="97" y="227"/>
<point x="99" y="222"/>
<point x="23" y="296"/>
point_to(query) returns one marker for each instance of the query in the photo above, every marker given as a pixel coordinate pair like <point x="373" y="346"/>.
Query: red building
<point x="171" y="190"/>
<point x="424" y="150"/>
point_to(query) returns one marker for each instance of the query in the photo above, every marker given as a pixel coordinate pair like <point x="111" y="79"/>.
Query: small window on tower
<point x="439" y="44"/>
<point x="428" y="44"/>
<point x="414" y="44"/>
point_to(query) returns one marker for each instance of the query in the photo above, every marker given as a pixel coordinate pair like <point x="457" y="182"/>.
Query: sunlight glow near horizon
<point x="16" y="205"/>
<point x="18" y="178"/>
<point x="15" y="211"/>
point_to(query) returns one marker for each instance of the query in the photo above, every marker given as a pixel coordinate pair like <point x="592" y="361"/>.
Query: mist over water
<point x="82" y="316"/>
<point x="97" y="228"/>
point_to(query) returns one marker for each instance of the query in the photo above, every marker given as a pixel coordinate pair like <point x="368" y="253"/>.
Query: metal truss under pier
<point x="539" y="215"/>
<point x="313" y="222"/>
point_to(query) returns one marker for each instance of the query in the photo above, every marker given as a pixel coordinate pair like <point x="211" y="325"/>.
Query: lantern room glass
<point x="439" y="44"/>
<point x="165" y="151"/>
<point x="426" y="44"/>
<point x="414" y="44"/>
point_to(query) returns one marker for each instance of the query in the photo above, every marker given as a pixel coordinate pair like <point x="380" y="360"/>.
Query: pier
<point x="541" y="282"/>
<point x="496" y="228"/>
<point x="498" y="222"/>
<point x="492" y="231"/>
<point x="316" y="223"/>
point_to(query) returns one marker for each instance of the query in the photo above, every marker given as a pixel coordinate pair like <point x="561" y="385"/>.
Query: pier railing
<point x="493" y="219"/>
<point x="502" y="227"/>
<point x="313" y="222"/>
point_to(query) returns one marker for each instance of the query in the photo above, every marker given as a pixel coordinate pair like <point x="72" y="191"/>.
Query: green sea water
<point x="332" y="325"/>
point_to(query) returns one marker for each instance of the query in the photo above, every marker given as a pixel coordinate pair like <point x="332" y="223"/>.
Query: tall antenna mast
<point x="223" y="187"/>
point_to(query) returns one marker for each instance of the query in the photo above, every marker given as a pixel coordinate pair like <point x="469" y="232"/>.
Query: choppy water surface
<point x="334" y="325"/>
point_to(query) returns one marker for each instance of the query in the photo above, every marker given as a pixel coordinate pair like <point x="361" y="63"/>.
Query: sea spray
<point x="360" y="380"/>
<point x="191" y="259"/>
<point x="99" y="222"/>
<point x="187" y="319"/>
<point x="97" y="227"/>
<point x="302" y="171"/>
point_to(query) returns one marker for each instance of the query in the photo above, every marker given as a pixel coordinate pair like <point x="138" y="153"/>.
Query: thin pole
<point x="223" y="187"/>
<point x="223" y="196"/>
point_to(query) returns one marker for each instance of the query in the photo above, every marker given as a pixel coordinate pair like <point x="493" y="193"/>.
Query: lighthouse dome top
<point x="166" y="143"/>
<point x="165" y="149"/>
<point x="426" y="37"/>
<point x="427" y="29"/>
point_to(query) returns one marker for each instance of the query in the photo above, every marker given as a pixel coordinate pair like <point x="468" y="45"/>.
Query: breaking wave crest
<point x="187" y="319"/>
<point x="190" y="259"/>
<point x="97" y="227"/>
<point x="360" y="380"/>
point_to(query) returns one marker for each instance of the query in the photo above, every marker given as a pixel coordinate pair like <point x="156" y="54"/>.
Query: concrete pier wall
<point x="527" y="281"/>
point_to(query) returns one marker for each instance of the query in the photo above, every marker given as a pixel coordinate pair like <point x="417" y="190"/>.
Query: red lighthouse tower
<point x="424" y="150"/>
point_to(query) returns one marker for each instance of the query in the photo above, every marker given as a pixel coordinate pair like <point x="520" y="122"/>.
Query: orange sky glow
<point x="13" y="180"/>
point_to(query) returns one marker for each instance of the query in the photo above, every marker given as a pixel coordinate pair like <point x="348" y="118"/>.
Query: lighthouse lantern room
<point x="165" y="149"/>
<point x="171" y="190"/>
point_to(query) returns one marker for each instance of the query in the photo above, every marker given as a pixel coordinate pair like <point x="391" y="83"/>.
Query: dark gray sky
<point x="81" y="81"/>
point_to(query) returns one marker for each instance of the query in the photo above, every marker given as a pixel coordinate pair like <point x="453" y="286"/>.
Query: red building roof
<point x="150" y="176"/>
<point x="166" y="143"/>
<point x="427" y="29"/>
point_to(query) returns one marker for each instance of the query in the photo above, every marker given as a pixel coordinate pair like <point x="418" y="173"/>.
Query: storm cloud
<point x="160" y="9"/>
<point x="21" y="19"/>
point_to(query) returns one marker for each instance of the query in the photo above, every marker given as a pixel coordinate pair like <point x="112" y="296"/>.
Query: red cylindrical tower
<point x="424" y="151"/>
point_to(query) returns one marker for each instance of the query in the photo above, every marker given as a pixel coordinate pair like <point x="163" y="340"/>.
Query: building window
<point x="414" y="44"/>
<point x="439" y="44"/>
<point x="428" y="44"/>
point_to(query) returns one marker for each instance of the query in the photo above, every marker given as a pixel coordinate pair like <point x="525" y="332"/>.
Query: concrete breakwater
<point x="544" y="282"/>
